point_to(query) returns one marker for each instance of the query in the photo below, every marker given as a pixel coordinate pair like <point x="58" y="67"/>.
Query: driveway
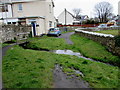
<point x="66" y="36"/>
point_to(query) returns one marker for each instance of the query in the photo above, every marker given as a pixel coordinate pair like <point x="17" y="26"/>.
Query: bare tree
<point x="76" y="12"/>
<point x="103" y="10"/>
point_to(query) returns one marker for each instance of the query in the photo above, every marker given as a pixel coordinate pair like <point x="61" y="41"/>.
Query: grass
<point x="94" y="50"/>
<point x="50" y="43"/>
<point x="4" y="44"/>
<point x="34" y="69"/>
<point x="113" y="32"/>
<point x="85" y="46"/>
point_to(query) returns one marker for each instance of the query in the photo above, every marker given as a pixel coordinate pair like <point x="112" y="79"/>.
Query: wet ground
<point x="70" y="52"/>
<point x="61" y="80"/>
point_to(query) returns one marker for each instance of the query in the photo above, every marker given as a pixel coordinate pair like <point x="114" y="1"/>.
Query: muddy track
<point x="61" y="80"/>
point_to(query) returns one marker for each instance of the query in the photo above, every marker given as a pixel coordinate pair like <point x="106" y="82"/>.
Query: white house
<point x="6" y="13"/>
<point x="65" y="18"/>
<point x="119" y="8"/>
<point x="118" y="22"/>
<point x="39" y="13"/>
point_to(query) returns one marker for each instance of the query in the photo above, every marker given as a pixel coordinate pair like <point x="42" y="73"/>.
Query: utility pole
<point x="65" y="19"/>
<point x="65" y="16"/>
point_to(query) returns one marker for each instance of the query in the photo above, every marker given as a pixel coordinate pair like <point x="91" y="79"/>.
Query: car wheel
<point x="57" y="35"/>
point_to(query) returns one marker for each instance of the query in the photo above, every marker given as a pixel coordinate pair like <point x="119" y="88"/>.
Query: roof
<point x="21" y="1"/>
<point x="71" y="14"/>
<point x="33" y="17"/>
<point x="26" y="17"/>
<point x="17" y="1"/>
<point x="67" y="12"/>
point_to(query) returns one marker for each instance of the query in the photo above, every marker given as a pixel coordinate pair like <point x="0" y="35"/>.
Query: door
<point x="34" y="28"/>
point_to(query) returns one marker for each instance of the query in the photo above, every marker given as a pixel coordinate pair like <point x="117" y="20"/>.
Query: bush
<point x="30" y="35"/>
<point x="117" y="41"/>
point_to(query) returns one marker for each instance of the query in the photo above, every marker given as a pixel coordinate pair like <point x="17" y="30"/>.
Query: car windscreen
<point x="52" y="29"/>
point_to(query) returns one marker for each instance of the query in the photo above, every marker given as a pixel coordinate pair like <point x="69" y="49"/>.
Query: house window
<point x="50" y="8"/>
<point x="8" y="22"/>
<point x="20" y="7"/>
<point x="4" y="8"/>
<point x="50" y="23"/>
<point x="13" y="22"/>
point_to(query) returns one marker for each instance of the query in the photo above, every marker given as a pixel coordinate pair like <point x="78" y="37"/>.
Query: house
<point x="119" y="8"/>
<point x="65" y="18"/>
<point x="81" y="20"/>
<point x="6" y="13"/>
<point x="39" y="13"/>
<point x="118" y="21"/>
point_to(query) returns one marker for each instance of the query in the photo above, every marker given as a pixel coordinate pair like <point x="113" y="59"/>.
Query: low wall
<point x="12" y="32"/>
<point x="105" y="39"/>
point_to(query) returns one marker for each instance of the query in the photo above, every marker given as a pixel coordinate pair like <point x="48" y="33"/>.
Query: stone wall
<point x="105" y="39"/>
<point x="13" y="32"/>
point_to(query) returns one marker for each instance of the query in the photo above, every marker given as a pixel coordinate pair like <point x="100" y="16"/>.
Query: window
<point x="13" y="22"/>
<point x="4" y="8"/>
<point x="8" y="22"/>
<point x="20" y="7"/>
<point x="50" y="23"/>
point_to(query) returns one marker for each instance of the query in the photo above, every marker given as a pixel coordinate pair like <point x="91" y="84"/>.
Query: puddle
<point x="66" y="52"/>
<point x="58" y="67"/>
<point x="78" y="72"/>
<point x="69" y="52"/>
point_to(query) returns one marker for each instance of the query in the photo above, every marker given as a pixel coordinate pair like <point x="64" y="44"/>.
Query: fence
<point x="14" y="32"/>
<point x="108" y="40"/>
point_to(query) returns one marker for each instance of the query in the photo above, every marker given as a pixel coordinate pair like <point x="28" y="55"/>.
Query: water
<point x="59" y="68"/>
<point x="69" y="52"/>
<point x="78" y="72"/>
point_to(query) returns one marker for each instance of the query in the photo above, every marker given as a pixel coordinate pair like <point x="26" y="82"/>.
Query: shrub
<point x="117" y="41"/>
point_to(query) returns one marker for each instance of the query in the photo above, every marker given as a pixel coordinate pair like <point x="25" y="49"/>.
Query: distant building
<point x="65" y="18"/>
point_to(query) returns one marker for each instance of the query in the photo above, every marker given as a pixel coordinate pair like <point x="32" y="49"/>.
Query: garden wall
<point x="105" y="39"/>
<point x="12" y="32"/>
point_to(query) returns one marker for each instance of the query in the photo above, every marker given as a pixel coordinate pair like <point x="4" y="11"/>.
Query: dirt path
<point x="66" y="36"/>
<point x="2" y="54"/>
<point x="61" y="80"/>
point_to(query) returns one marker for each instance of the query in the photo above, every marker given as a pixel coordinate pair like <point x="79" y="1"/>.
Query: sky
<point x="86" y="6"/>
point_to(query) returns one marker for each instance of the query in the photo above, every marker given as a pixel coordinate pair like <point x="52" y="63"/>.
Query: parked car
<point x="54" y="31"/>
<point x="102" y="26"/>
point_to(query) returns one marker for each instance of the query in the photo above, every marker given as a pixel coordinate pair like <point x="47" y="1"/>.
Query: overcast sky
<point x="87" y="6"/>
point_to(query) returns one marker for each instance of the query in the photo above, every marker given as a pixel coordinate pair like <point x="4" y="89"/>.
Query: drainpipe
<point x="12" y="10"/>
